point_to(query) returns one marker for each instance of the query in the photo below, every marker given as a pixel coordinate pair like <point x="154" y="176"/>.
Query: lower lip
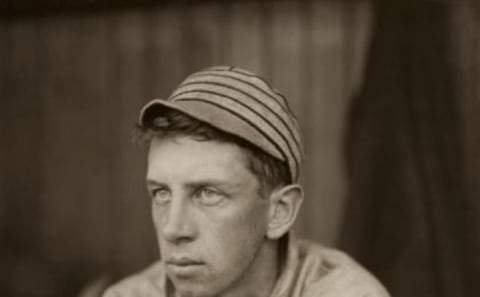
<point x="184" y="270"/>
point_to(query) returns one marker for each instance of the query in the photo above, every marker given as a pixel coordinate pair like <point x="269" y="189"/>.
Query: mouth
<point x="184" y="266"/>
<point x="183" y="261"/>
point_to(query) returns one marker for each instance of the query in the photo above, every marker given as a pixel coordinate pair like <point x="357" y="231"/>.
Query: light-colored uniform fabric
<point x="310" y="270"/>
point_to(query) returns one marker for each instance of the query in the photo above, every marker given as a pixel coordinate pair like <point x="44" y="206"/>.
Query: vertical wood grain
<point x="197" y="36"/>
<point x="357" y="23"/>
<point x="99" y="119"/>
<point x="465" y="38"/>
<point x="78" y="180"/>
<point x="224" y="21"/>
<point x="286" y="49"/>
<point x="266" y="32"/>
<point x="163" y="36"/>
<point x="328" y="106"/>
<point x="24" y="144"/>
<point x="246" y="36"/>
<point x="205" y="48"/>
<point x="61" y="206"/>
<point x="5" y="75"/>
<point x="135" y="243"/>
<point x="474" y="119"/>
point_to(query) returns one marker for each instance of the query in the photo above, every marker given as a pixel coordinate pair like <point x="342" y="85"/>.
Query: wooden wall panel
<point x="134" y="227"/>
<point x="328" y="107"/>
<point x="286" y="50"/>
<point x="466" y="37"/>
<point x="78" y="136"/>
<point x="4" y="77"/>
<point x="246" y="36"/>
<point x="199" y="35"/>
<point x="60" y="206"/>
<point x="473" y="118"/>
<point x="156" y="44"/>
<point x="356" y="20"/>
<point x="23" y="258"/>
<point x="6" y="89"/>
<point x="24" y="138"/>
<point x="320" y="113"/>
<point x="22" y="145"/>
<point x="95" y="95"/>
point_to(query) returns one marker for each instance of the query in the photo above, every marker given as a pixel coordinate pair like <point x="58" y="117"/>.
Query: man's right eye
<point x="161" y="195"/>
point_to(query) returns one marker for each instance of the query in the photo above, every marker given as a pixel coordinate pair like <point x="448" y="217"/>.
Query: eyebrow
<point x="196" y="184"/>
<point x="151" y="182"/>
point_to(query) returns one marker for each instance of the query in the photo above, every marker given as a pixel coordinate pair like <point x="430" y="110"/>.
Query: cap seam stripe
<point x="289" y="148"/>
<point x="226" y="75"/>
<point x="174" y="98"/>
<point x="287" y="127"/>
<point x="256" y="127"/>
<point x="285" y="101"/>
<point x="274" y="127"/>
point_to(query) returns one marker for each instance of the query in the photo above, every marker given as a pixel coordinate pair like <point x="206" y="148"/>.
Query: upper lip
<point x="182" y="261"/>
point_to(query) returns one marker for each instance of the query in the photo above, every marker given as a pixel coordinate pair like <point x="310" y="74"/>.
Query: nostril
<point x="178" y="229"/>
<point x="177" y="237"/>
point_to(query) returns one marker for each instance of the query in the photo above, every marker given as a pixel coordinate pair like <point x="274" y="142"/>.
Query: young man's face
<point x="210" y="221"/>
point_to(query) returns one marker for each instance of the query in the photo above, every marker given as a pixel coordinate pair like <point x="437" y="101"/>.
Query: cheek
<point x="158" y="215"/>
<point x="237" y="237"/>
<point x="155" y="215"/>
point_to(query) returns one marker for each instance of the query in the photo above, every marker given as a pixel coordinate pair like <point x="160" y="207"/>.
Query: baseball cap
<point x="240" y="103"/>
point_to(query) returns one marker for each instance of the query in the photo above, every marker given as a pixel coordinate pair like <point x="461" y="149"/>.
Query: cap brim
<point x="218" y="118"/>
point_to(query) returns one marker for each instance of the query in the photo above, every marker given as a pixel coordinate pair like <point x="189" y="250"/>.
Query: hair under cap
<point x="240" y="103"/>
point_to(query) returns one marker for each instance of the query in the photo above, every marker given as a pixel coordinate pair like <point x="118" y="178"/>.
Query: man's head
<point x="270" y="172"/>
<point x="223" y="160"/>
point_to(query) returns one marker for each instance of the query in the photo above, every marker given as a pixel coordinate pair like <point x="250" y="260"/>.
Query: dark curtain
<point x="412" y="214"/>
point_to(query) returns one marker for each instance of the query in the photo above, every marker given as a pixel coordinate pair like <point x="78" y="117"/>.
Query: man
<point x="224" y="158"/>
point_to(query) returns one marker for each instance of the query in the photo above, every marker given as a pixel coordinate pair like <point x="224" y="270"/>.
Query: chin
<point x="187" y="289"/>
<point x="183" y="292"/>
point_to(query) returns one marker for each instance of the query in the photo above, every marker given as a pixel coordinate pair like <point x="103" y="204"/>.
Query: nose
<point x="177" y="226"/>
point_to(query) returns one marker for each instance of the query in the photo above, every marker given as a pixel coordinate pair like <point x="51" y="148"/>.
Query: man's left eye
<point x="209" y="197"/>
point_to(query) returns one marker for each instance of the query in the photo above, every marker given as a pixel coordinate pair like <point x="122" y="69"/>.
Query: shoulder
<point x="147" y="283"/>
<point x="330" y="272"/>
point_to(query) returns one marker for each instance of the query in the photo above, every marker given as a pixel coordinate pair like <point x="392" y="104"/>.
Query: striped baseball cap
<point x="241" y="103"/>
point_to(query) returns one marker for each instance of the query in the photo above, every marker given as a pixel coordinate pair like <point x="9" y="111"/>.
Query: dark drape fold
<point x="410" y="217"/>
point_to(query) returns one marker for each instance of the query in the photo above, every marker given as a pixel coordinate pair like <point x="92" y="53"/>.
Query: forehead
<point x="187" y="156"/>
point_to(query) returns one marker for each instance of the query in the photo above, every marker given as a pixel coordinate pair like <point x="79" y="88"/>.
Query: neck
<point x="260" y="279"/>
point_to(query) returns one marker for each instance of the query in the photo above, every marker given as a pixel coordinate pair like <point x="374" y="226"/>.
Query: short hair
<point x="270" y="171"/>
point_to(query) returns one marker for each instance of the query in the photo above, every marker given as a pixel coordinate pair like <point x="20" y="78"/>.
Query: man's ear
<point x="285" y="203"/>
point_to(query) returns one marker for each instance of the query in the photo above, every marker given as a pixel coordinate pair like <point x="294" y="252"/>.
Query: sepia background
<point x="387" y="94"/>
